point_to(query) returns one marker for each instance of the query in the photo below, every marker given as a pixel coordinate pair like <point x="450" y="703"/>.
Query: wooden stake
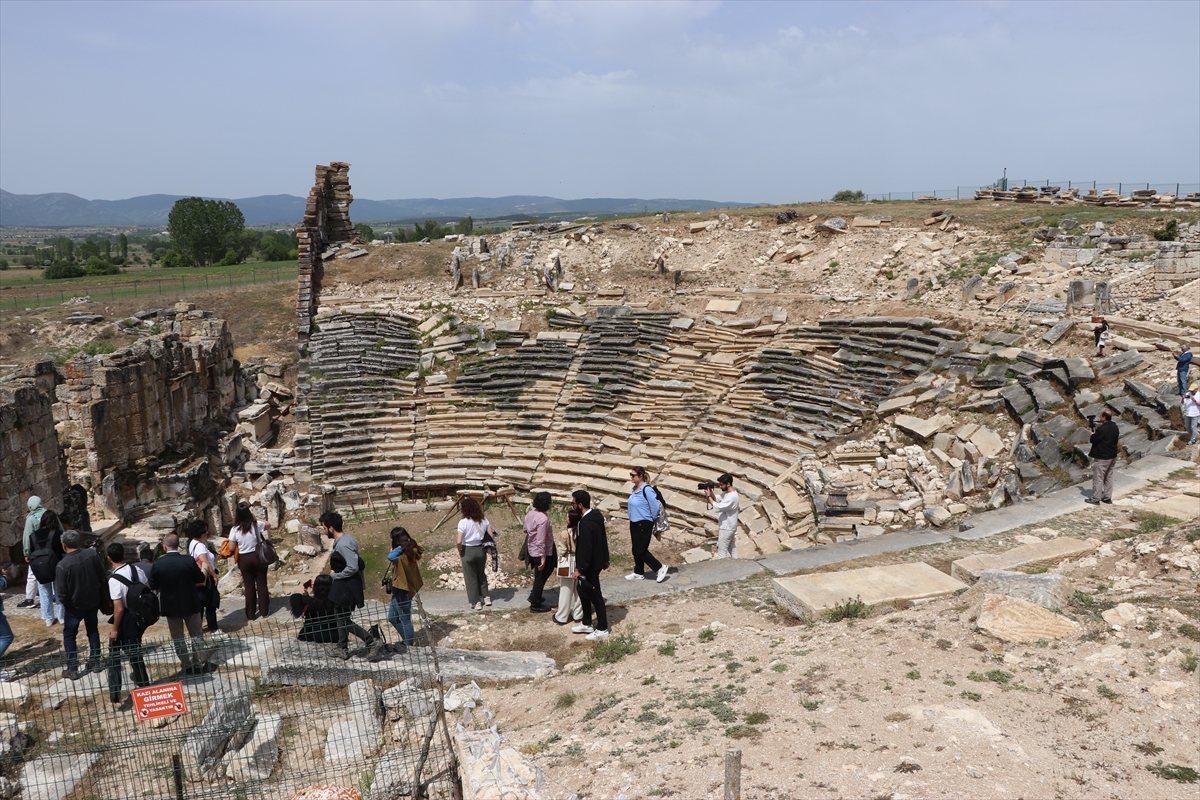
<point x="733" y="774"/>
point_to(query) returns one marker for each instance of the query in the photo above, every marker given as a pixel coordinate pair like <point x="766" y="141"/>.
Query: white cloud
<point x="791" y="32"/>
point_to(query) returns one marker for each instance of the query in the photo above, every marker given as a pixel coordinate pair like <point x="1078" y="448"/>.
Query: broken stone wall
<point x="31" y="460"/>
<point x="1177" y="263"/>
<point x="326" y="220"/>
<point x="117" y="410"/>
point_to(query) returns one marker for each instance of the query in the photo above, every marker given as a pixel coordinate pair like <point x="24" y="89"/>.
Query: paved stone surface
<point x="457" y="665"/>
<point x="1180" y="507"/>
<point x="1010" y="619"/>
<point x="1027" y="555"/>
<point x="821" y="591"/>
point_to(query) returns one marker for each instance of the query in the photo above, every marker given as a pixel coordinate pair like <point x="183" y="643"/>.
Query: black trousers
<point x="347" y="626"/>
<point x="540" y="576"/>
<point x="127" y="645"/>
<point x="639" y="535"/>
<point x="590" y="597"/>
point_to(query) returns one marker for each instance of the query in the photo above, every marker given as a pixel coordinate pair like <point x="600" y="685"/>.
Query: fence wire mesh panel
<point x="274" y="715"/>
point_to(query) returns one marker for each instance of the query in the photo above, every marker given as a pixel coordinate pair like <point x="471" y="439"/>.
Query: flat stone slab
<point x="54" y="777"/>
<point x="1010" y="619"/>
<point x="1027" y="555"/>
<point x="895" y="404"/>
<point x="457" y="665"/>
<point x="726" y="306"/>
<point x="808" y="594"/>
<point x="921" y="428"/>
<point x="1180" y="507"/>
<point x="1047" y="590"/>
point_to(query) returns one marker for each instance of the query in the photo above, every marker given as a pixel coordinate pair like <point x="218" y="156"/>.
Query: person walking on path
<point x="209" y="597"/>
<point x="473" y="529"/>
<point x="643" y="508"/>
<point x="539" y="543"/>
<point x="726" y="507"/>
<point x="32" y="520"/>
<point x="349" y="585"/>
<point x="569" y="606"/>
<point x="247" y="533"/>
<point x="406" y="581"/>
<point x="1191" y="411"/>
<point x="125" y="638"/>
<point x="80" y="582"/>
<point x="1104" y="458"/>
<point x="1183" y="362"/>
<point x="43" y="559"/>
<point x="176" y="577"/>
<point x="6" y="633"/>
<point x="1101" y="335"/>
<point x="591" y="557"/>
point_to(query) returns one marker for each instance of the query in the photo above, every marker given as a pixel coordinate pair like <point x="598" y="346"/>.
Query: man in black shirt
<point x="79" y="582"/>
<point x="1104" y="458"/>
<point x="591" y="556"/>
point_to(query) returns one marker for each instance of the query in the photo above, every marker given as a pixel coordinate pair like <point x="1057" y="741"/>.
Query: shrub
<point x="99" y="266"/>
<point x="707" y="634"/>
<point x="62" y="269"/>
<point x="565" y="700"/>
<point x="173" y="259"/>
<point x="667" y="648"/>
<point x="847" y="609"/>
<point x="3" y="263"/>
<point x="849" y="196"/>
<point x="230" y="258"/>
<point x="1168" y="233"/>
<point x="613" y="649"/>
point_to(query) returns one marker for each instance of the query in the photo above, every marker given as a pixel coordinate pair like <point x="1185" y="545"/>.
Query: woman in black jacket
<point x="320" y="619"/>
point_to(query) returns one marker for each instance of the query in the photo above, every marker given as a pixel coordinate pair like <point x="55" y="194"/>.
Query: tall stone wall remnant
<point x="1177" y="263"/>
<point x="30" y="457"/>
<point x="326" y="222"/>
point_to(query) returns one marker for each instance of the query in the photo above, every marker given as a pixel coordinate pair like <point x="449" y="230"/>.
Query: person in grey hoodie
<point x="349" y="586"/>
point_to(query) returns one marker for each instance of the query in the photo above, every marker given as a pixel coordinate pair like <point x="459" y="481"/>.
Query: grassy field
<point x="26" y="288"/>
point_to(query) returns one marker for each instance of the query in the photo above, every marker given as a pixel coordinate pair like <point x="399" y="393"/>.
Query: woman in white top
<point x="247" y="532"/>
<point x="472" y="529"/>
<point x="210" y="598"/>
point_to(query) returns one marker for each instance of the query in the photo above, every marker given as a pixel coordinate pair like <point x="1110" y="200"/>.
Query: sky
<point x="739" y="101"/>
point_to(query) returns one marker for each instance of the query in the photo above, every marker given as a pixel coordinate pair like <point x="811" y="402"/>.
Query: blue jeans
<point x="72" y="617"/>
<point x="6" y="634"/>
<point x="1189" y="425"/>
<point x="400" y="615"/>
<point x="51" y="608"/>
<point x="1181" y="379"/>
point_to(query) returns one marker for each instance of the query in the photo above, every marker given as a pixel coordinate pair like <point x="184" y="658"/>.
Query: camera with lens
<point x="706" y="485"/>
<point x="1091" y="421"/>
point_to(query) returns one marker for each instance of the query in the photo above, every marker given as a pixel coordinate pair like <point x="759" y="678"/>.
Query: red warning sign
<point x="163" y="700"/>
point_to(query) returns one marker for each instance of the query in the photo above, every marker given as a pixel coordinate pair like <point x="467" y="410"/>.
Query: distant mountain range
<point x="62" y="210"/>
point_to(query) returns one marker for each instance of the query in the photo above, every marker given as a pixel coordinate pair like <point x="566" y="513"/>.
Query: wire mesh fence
<point x="275" y="714"/>
<point x="24" y="296"/>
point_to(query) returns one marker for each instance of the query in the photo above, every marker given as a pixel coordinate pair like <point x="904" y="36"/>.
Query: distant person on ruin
<point x="1191" y="411"/>
<point x="349" y="585"/>
<point x="473" y="532"/>
<point x="591" y="558"/>
<point x="209" y="597"/>
<point x="403" y="582"/>
<point x="125" y="638"/>
<point x="32" y="520"/>
<point x="539" y="544"/>
<point x="82" y="587"/>
<point x="1100" y="333"/>
<point x="176" y="578"/>
<point x="247" y="533"/>
<point x="43" y="558"/>
<point x="643" y="508"/>
<point x="569" y="607"/>
<point x="726" y="507"/>
<point x="1183" y="363"/>
<point x="1104" y="458"/>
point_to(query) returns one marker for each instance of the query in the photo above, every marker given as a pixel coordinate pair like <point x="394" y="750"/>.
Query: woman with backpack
<point x="644" y="507"/>
<point x="210" y="598"/>
<point x="45" y="551"/>
<point x="247" y="535"/>
<point x="403" y="582"/>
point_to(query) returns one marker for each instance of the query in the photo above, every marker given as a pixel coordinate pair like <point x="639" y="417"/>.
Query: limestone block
<point x="1047" y="590"/>
<point x="227" y="722"/>
<point x="921" y="428"/>
<point x="256" y="759"/>
<point x="1027" y="555"/>
<point x="54" y="777"/>
<point x="1010" y="619"/>
<point x="988" y="441"/>
<point x="1123" y="616"/>
<point x="808" y="594"/>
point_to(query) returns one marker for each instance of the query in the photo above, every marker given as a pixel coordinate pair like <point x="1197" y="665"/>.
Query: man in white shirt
<point x="726" y="507"/>
<point x="125" y="638"/>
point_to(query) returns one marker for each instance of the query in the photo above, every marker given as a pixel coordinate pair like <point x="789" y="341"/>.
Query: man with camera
<point x="726" y="507"/>
<point x="1104" y="457"/>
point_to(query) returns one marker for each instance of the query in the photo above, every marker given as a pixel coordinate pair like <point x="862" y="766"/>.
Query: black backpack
<point x="42" y="558"/>
<point x="140" y="601"/>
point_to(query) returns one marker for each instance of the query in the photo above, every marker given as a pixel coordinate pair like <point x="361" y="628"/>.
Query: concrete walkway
<point x="1130" y="480"/>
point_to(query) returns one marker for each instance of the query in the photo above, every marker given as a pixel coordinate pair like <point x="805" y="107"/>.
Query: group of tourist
<point x="579" y="553"/>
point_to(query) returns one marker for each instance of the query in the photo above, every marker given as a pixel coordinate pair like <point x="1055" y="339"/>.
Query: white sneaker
<point x="594" y="635"/>
<point x="662" y="573"/>
<point x="7" y="675"/>
<point x="477" y="607"/>
<point x="487" y="601"/>
<point x="588" y="629"/>
<point x="633" y="576"/>
<point x="50" y="623"/>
